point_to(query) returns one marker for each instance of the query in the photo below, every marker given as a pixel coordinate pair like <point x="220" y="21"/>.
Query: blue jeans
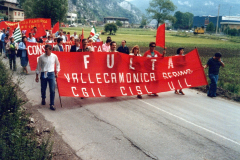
<point x="51" y="80"/>
<point x="213" y="85"/>
<point x="3" y="48"/>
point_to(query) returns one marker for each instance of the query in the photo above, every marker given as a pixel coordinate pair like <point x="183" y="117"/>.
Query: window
<point x="15" y="13"/>
<point x="6" y="12"/>
<point x="18" y="13"/>
<point x="22" y="14"/>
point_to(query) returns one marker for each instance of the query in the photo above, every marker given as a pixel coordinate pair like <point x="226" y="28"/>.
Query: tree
<point x="210" y="27"/>
<point x="144" y="21"/>
<point x="4" y="16"/>
<point x="119" y="23"/>
<point x="160" y="10"/>
<point x="54" y="9"/>
<point x="110" y="27"/>
<point x="183" y="20"/>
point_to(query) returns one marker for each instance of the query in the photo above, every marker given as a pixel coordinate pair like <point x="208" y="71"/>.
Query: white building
<point x="10" y="9"/>
<point x="72" y="17"/>
<point x="125" y="21"/>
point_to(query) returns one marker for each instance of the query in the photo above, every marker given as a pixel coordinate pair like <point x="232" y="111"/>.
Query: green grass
<point x="207" y="45"/>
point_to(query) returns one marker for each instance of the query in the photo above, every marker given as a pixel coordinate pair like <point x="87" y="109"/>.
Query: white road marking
<point x="192" y="123"/>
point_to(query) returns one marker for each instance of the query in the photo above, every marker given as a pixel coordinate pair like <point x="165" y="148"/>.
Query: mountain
<point x="198" y="7"/>
<point x="98" y="9"/>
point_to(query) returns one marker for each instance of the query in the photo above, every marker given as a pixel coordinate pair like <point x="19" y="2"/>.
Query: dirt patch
<point x="43" y="129"/>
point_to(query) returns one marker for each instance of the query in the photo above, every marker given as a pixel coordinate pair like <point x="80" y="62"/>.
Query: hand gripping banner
<point x="115" y="74"/>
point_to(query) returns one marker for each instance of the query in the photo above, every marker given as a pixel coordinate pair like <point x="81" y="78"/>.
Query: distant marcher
<point x="84" y="46"/>
<point x="3" y="43"/>
<point x="76" y="46"/>
<point x="98" y="39"/>
<point x="24" y="56"/>
<point x="136" y="52"/>
<point x="34" y="31"/>
<point x="49" y="40"/>
<point x="90" y="45"/>
<point x="75" y="35"/>
<point x="106" y="46"/>
<point x="113" y="47"/>
<point x="109" y="38"/>
<point x="6" y="40"/>
<point x="153" y="53"/>
<point x="31" y="38"/>
<point x="214" y="64"/>
<point x="59" y="46"/>
<point x="72" y="39"/>
<point x="62" y="36"/>
<point x="46" y="69"/>
<point x="123" y="48"/>
<point x="11" y="48"/>
<point x="1" y="33"/>
<point x="180" y="52"/>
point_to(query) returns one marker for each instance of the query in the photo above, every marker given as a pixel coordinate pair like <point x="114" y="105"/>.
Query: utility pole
<point x="217" y="19"/>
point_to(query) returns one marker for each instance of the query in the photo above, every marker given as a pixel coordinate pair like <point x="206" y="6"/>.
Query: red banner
<point x="116" y="74"/>
<point x="28" y="24"/>
<point x="160" y="37"/>
<point x="36" y="49"/>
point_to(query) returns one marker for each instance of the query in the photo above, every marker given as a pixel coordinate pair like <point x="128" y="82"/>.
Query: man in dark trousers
<point x="123" y="48"/>
<point x="214" y="64"/>
<point x="76" y="46"/>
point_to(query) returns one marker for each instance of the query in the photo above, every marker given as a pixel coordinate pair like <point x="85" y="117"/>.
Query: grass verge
<point x="17" y="138"/>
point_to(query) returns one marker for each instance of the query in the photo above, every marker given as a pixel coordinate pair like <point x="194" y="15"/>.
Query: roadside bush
<point x="17" y="139"/>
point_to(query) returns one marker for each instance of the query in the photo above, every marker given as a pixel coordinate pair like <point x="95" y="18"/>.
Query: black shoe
<point x="43" y="102"/>
<point x="52" y="107"/>
<point x="139" y="96"/>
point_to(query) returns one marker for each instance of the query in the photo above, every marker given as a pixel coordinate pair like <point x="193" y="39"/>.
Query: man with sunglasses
<point x="153" y="53"/>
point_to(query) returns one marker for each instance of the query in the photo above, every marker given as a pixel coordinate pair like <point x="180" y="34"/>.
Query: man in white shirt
<point x="1" y="33"/>
<point x="45" y="67"/>
<point x="62" y="36"/>
<point x="75" y="35"/>
<point x="31" y="38"/>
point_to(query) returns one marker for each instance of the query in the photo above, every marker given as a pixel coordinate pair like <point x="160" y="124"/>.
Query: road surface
<point x="167" y="127"/>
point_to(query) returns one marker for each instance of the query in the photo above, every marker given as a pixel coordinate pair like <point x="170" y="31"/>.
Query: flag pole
<point x="59" y="94"/>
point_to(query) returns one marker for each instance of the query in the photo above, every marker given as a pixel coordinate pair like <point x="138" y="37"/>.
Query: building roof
<point x="115" y="18"/>
<point x="230" y="23"/>
<point x="12" y="8"/>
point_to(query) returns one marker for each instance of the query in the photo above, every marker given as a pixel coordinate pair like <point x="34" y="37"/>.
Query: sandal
<point x="181" y="92"/>
<point x="176" y="92"/>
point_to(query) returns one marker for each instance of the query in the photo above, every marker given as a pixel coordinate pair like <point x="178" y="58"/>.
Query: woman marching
<point x="136" y="52"/>
<point x="24" y="56"/>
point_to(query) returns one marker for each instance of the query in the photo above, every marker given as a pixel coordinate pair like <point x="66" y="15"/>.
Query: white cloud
<point x="186" y="3"/>
<point x="210" y="3"/>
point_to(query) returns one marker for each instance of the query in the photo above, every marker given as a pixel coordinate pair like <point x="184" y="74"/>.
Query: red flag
<point x="68" y="37"/>
<point x="82" y="37"/>
<point x="29" y="30"/>
<point x="55" y="28"/>
<point x="10" y="32"/>
<point x="160" y="37"/>
<point x="40" y="32"/>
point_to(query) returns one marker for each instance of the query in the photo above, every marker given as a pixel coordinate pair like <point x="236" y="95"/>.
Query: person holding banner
<point x="180" y="52"/>
<point x="59" y="47"/>
<point x="113" y="46"/>
<point x="45" y="67"/>
<point x="24" y="56"/>
<point x="136" y="52"/>
<point x="84" y="46"/>
<point x="75" y="47"/>
<point x="153" y="53"/>
<point x="11" y="48"/>
<point x="214" y="64"/>
<point x="31" y="38"/>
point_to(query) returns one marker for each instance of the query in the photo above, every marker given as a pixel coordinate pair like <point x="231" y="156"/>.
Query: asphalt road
<point x="166" y="127"/>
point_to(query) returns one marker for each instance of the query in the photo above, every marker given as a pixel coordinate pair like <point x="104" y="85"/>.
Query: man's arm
<point x="222" y="64"/>
<point x="57" y="66"/>
<point x="38" y="69"/>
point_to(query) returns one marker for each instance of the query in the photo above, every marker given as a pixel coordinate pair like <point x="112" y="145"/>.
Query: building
<point x="10" y="8"/>
<point x="125" y="21"/>
<point x="72" y="17"/>
<point x="223" y="23"/>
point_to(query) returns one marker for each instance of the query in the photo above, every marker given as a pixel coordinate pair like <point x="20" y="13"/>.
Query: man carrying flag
<point x="17" y="35"/>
